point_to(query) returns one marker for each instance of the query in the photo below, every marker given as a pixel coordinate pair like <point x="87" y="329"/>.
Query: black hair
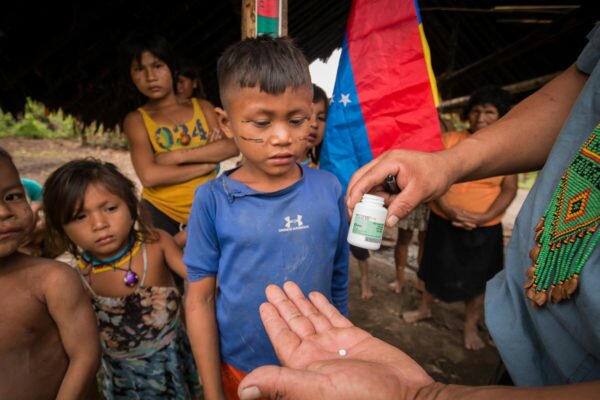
<point x="493" y="95"/>
<point x="318" y="95"/>
<point x="272" y="64"/>
<point x="191" y="70"/>
<point x="132" y="49"/>
<point x="64" y="192"/>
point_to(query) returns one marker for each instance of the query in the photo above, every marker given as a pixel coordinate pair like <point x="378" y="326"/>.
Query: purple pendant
<point x="130" y="279"/>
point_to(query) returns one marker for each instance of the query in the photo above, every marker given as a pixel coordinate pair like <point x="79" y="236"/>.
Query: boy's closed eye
<point x="298" y="121"/>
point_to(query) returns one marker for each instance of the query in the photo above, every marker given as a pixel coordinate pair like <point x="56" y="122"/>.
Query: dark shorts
<point x="457" y="263"/>
<point x="161" y="220"/>
<point x="359" y="253"/>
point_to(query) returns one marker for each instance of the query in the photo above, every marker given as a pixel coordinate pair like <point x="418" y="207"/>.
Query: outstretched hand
<point x="420" y="176"/>
<point x="323" y="355"/>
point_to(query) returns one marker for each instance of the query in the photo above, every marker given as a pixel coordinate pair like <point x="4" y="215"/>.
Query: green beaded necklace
<point x="565" y="235"/>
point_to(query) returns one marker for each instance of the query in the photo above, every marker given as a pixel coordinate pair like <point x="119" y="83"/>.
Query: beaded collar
<point x="90" y="265"/>
<point x="566" y="234"/>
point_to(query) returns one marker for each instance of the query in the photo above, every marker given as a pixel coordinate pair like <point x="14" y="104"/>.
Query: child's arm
<point x="71" y="310"/>
<point x="339" y="281"/>
<point x="173" y="253"/>
<point x="204" y="335"/>
<point x="150" y="172"/>
<point x="214" y="151"/>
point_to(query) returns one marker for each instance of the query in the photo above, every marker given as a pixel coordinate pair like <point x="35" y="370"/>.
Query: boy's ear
<point x="224" y="122"/>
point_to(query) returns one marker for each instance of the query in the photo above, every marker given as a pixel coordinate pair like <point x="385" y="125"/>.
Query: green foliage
<point x="35" y="124"/>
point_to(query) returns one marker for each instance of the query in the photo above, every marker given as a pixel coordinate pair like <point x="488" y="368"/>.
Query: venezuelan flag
<point x="385" y="95"/>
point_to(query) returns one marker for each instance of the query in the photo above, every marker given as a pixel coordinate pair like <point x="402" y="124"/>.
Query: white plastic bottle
<point x="368" y="221"/>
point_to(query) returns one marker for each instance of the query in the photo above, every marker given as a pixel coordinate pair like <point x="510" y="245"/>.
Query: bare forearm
<point x="78" y="381"/>
<point x="522" y="139"/>
<point x="438" y="391"/>
<point x="204" y="337"/>
<point x="506" y="196"/>
<point x="162" y="175"/>
<point x="210" y="153"/>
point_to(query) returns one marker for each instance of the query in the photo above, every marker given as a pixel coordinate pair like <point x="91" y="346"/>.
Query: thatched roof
<point x="63" y="53"/>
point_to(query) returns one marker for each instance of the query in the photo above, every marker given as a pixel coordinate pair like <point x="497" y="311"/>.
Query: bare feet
<point x="410" y="317"/>
<point x="395" y="286"/>
<point x="472" y="339"/>
<point x="365" y="290"/>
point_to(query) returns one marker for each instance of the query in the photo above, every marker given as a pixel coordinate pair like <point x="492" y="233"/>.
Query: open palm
<point x="325" y="356"/>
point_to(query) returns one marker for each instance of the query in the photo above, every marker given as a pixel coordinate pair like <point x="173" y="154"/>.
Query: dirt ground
<point x="435" y="343"/>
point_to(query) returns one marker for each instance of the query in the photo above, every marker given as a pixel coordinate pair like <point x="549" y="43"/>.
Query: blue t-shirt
<point x="250" y="239"/>
<point x="557" y="343"/>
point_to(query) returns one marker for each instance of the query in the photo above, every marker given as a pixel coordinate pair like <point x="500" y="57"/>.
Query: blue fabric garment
<point x="557" y="343"/>
<point x="250" y="239"/>
<point x="33" y="189"/>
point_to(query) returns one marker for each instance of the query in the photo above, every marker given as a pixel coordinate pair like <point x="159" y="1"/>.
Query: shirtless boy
<point x="48" y="340"/>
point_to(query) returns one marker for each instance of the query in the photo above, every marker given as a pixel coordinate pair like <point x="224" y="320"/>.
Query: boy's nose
<point x="281" y="135"/>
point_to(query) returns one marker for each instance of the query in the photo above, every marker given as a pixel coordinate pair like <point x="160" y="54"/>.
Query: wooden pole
<point x="248" y="19"/>
<point x="264" y="17"/>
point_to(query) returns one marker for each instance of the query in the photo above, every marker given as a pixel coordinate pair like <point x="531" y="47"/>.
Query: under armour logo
<point x="289" y="221"/>
<point x="293" y="224"/>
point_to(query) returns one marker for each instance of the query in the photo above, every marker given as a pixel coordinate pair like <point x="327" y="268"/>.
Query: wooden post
<point x="248" y="19"/>
<point x="264" y="17"/>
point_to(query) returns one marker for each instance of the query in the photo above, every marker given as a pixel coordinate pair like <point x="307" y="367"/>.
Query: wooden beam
<point x="543" y="36"/>
<point x="513" y="88"/>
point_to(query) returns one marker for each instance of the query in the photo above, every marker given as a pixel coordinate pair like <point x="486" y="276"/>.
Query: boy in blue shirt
<point x="268" y="221"/>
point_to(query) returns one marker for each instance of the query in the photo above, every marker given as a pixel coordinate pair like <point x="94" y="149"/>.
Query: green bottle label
<point x="368" y="227"/>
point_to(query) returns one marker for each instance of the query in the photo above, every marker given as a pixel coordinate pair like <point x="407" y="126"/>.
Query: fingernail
<point x="250" y="393"/>
<point x="392" y="221"/>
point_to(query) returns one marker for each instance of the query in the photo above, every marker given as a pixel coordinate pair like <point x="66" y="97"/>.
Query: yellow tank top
<point x="176" y="200"/>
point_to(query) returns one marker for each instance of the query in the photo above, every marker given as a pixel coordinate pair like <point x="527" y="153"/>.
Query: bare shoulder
<point x="58" y="274"/>
<point x="163" y="238"/>
<point x="206" y="106"/>
<point x="133" y="119"/>
<point x="40" y="275"/>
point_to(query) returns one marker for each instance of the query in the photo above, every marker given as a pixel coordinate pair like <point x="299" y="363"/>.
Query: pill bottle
<point x="368" y="221"/>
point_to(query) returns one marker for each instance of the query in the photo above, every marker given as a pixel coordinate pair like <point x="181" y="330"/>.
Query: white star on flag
<point x="345" y="99"/>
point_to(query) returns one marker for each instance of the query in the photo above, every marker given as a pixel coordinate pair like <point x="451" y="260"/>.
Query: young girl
<point x="317" y="128"/>
<point x="173" y="148"/>
<point x="92" y="210"/>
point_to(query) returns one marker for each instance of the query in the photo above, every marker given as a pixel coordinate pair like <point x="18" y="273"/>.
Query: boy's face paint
<point x="151" y="76"/>
<point x="16" y="218"/>
<point x="271" y="131"/>
<point x="103" y="225"/>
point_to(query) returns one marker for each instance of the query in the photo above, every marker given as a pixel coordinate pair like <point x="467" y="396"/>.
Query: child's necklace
<point x="115" y="263"/>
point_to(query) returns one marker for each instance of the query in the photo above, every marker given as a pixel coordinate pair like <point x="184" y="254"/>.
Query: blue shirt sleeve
<point x="339" y="281"/>
<point x="202" y="253"/>
<point x="588" y="59"/>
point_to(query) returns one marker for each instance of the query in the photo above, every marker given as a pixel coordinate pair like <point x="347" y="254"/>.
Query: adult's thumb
<point x="272" y="382"/>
